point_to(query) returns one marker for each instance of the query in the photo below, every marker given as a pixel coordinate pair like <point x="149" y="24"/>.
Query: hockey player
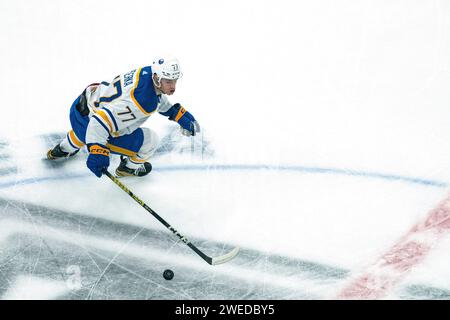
<point x="107" y="117"/>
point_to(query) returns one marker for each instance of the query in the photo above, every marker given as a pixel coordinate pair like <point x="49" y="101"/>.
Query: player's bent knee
<point x="150" y="143"/>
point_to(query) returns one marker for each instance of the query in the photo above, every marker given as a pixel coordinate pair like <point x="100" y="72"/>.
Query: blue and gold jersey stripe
<point x="116" y="127"/>
<point x="111" y="98"/>
<point x="143" y="93"/>
<point x="73" y="140"/>
<point x="133" y="96"/>
<point x="102" y="114"/>
<point x="120" y="150"/>
<point x="101" y="123"/>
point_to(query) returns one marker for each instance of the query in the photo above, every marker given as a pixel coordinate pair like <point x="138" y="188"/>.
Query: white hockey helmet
<point x="167" y="68"/>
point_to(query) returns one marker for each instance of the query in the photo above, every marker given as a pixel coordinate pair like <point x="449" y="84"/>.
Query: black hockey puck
<point x="168" y="274"/>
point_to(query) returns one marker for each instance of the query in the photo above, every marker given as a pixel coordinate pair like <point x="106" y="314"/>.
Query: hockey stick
<point x="211" y="260"/>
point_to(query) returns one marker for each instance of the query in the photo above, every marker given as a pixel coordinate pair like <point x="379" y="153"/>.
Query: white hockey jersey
<point x="121" y="106"/>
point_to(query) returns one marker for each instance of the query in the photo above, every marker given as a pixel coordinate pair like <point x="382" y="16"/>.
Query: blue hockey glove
<point x="186" y="120"/>
<point x="98" y="159"/>
<point x="194" y="127"/>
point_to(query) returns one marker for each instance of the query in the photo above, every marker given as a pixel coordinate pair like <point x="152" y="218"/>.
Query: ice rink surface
<point x="324" y="152"/>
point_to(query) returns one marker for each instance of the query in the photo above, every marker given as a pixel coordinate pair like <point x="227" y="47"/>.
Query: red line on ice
<point x="378" y="279"/>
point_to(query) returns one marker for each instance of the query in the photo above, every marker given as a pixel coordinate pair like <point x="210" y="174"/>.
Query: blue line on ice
<point x="333" y="171"/>
<point x="250" y="167"/>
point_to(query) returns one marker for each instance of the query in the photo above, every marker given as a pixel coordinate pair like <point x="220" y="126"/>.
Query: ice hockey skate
<point x="56" y="153"/>
<point x="124" y="171"/>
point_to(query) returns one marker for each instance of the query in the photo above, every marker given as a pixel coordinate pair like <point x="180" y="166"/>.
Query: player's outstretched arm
<point x="184" y="118"/>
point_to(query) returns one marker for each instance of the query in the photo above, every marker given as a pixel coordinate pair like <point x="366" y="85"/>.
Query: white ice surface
<point x="34" y="288"/>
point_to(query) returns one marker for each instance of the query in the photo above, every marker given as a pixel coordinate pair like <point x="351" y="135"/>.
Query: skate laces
<point x="140" y="169"/>
<point x="134" y="168"/>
